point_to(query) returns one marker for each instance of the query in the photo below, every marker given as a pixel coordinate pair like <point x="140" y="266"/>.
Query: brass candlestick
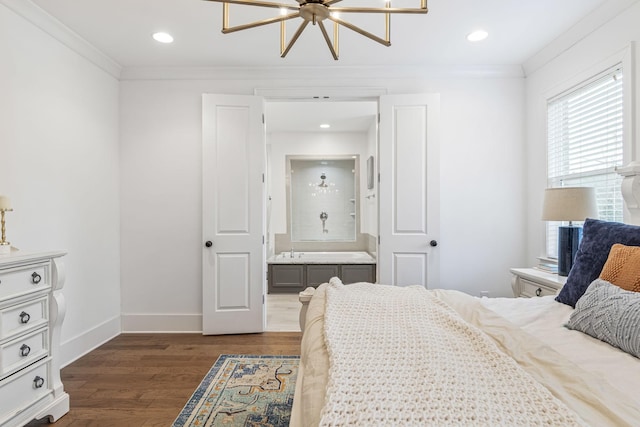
<point x="4" y="229"/>
<point x="5" y="206"/>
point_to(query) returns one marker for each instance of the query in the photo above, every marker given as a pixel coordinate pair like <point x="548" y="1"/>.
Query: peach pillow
<point x="623" y="267"/>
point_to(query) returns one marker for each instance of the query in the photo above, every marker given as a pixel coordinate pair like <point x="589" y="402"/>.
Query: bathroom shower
<point x="324" y="209"/>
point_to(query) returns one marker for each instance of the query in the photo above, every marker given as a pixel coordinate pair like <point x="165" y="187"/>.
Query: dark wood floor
<point x="141" y="380"/>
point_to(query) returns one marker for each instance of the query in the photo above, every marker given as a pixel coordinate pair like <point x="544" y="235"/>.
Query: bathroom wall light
<point x="325" y="126"/>
<point x="163" y="37"/>
<point x="477" y="36"/>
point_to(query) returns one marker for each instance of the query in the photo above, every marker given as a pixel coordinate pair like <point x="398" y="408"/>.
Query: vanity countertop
<point x="322" y="258"/>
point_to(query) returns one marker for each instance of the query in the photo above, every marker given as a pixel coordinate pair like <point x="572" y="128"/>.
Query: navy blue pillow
<point x="597" y="239"/>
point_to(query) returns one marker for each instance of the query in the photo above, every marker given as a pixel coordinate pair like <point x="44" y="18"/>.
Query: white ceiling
<point x="305" y="116"/>
<point x="122" y="30"/>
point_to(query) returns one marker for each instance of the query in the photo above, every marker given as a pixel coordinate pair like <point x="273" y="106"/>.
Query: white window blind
<point x="584" y="135"/>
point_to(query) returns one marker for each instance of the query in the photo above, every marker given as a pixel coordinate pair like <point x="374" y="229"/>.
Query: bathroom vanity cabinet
<point x="293" y="278"/>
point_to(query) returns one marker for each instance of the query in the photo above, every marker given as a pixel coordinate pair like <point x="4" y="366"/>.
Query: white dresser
<point x="32" y="309"/>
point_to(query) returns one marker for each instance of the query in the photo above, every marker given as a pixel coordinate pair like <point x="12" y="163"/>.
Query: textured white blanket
<point x="401" y="356"/>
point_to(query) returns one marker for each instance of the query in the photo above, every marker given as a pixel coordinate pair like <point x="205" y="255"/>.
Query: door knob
<point x="208" y="243"/>
<point x="433" y="243"/>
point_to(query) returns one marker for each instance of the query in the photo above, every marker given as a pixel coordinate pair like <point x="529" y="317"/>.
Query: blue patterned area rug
<point x="242" y="390"/>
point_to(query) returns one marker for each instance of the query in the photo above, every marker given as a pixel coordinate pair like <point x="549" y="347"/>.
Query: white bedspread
<point x="544" y="318"/>
<point x="593" y="379"/>
<point x="401" y="356"/>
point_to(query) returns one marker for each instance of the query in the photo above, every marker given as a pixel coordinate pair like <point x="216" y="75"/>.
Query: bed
<point x="381" y="355"/>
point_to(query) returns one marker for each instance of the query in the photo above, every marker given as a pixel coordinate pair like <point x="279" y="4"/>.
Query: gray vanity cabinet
<point x="317" y="274"/>
<point x="354" y="273"/>
<point x="286" y="278"/>
<point x="293" y="278"/>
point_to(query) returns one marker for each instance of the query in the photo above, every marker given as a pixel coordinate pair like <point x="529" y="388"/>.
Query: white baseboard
<point x="162" y="323"/>
<point x="76" y="347"/>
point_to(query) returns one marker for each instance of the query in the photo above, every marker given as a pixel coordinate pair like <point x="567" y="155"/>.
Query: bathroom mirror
<point x="322" y="198"/>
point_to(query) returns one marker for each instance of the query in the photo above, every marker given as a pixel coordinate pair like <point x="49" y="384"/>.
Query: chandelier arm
<point x="259" y="23"/>
<point x="376" y="10"/>
<point x="326" y="38"/>
<point x="294" y="38"/>
<point x="258" y="3"/>
<point x="360" y="31"/>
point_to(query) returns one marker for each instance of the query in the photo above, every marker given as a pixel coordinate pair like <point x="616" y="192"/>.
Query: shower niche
<point x="322" y="198"/>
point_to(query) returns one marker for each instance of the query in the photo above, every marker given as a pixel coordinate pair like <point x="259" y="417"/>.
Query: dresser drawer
<point x="532" y="289"/>
<point x="20" y="281"/>
<point x="23" y="389"/>
<point x="23" y="351"/>
<point x="21" y="318"/>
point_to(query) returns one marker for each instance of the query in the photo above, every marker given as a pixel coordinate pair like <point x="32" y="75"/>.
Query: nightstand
<point x="531" y="282"/>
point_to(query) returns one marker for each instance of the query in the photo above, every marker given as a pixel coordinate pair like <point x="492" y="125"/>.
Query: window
<point x="584" y="136"/>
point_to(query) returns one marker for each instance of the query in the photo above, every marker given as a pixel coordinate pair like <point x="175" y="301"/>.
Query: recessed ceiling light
<point x="477" y="36"/>
<point x="325" y="126"/>
<point x="163" y="37"/>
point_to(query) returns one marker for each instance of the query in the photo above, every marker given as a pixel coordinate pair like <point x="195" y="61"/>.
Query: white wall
<point x="59" y="165"/>
<point x="609" y="44"/>
<point x="481" y="149"/>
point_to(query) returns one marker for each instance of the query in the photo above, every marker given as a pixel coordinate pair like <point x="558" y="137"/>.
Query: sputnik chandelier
<point x="315" y="12"/>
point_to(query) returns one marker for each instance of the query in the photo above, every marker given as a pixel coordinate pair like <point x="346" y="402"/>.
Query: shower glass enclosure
<point x="323" y="199"/>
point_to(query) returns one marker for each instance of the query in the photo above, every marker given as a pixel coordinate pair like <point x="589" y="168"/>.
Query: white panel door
<point x="233" y="264"/>
<point x="408" y="190"/>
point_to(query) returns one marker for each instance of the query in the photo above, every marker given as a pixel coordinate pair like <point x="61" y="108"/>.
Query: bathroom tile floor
<point x="282" y="313"/>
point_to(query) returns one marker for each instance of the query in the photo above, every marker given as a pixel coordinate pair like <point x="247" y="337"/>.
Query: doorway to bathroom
<point x="236" y="205"/>
<point x="320" y="199"/>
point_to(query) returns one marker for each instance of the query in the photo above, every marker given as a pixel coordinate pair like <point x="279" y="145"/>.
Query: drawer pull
<point x="25" y="350"/>
<point x="538" y="292"/>
<point x="36" y="278"/>
<point x="24" y="317"/>
<point x="38" y="382"/>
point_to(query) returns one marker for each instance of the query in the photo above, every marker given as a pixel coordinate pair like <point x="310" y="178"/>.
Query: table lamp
<point x="5" y="206"/>
<point x="569" y="204"/>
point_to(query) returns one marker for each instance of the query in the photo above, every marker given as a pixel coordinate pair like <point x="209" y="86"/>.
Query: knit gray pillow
<point x="610" y="314"/>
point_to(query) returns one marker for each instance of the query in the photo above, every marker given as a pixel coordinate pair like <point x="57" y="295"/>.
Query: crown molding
<point x="56" y="29"/>
<point x="343" y="72"/>
<point x="590" y="23"/>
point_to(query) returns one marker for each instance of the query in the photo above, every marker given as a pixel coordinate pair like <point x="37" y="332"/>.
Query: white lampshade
<point x="569" y="204"/>
<point x="5" y="203"/>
